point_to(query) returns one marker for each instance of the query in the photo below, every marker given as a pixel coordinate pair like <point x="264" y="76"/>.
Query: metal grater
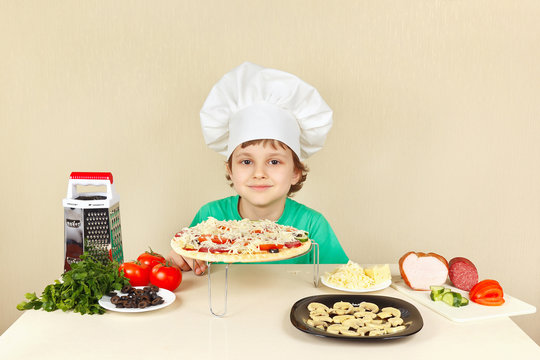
<point x="92" y="220"/>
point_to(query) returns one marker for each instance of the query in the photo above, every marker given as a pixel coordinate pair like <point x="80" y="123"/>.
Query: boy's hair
<point x="298" y="165"/>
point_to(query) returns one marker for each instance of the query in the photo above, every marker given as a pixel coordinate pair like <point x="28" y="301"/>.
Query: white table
<point x="256" y="326"/>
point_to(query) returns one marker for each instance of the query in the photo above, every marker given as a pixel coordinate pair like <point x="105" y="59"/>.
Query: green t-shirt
<point x="295" y="215"/>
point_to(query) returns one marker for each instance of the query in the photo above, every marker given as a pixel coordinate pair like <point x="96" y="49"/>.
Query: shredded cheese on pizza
<point x="238" y="236"/>
<point x="353" y="276"/>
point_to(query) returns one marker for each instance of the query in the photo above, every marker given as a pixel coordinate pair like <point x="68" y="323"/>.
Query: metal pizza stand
<point x="314" y="247"/>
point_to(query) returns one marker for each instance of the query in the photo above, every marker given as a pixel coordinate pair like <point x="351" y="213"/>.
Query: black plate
<point x="409" y="313"/>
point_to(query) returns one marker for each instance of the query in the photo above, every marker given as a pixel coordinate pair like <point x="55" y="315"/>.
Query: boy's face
<point x="262" y="175"/>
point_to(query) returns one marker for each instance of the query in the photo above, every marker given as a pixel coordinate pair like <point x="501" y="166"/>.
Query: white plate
<point x="380" y="286"/>
<point x="168" y="299"/>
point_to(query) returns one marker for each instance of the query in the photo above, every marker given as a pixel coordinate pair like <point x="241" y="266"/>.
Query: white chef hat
<point x="251" y="102"/>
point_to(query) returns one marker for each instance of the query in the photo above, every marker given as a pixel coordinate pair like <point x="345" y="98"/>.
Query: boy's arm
<point x="186" y="264"/>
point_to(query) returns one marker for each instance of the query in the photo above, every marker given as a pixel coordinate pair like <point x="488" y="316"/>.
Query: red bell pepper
<point x="487" y="292"/>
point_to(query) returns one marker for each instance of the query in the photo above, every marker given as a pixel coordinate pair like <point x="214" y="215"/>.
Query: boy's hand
<point x="198" y="266"/>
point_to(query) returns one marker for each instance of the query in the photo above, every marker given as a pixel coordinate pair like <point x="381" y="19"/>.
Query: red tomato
<point x="270" y="246"/>
<point x="151" y="259"/>
<point x="137" y="273"/>
<point x="166" y="276"/>
<point x="204" y="237"/>
<point x="218" y="239"/>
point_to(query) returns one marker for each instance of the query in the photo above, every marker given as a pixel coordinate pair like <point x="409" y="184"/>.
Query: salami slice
<point x="463" y="273"/>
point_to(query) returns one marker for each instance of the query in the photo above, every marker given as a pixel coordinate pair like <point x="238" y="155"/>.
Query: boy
<point x="264" y="121"/>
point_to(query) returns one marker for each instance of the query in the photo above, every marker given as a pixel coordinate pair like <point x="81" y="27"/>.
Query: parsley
<point x="80" y="288"/>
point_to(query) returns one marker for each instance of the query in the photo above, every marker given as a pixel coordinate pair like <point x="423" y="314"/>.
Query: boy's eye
<point x="245" y="162"/>
<point x="274" y="162"/>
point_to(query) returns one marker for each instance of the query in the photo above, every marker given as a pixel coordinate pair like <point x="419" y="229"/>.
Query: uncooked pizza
<point x="240" y="241"/>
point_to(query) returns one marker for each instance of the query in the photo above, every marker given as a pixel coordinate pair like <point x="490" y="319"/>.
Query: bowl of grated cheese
<point x="352" y="277"/>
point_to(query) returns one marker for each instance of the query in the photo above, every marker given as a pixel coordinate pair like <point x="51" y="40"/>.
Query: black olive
<point x="143" y="304"/>
<point x="154" y="288"/>
<point x="126" y="288"/>
<point x="156" y="301"/>
<point x="112" y="293"/>
<point x="273" y="251"/>
<point x="115" y="299"/>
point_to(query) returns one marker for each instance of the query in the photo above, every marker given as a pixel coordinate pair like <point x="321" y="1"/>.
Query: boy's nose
<point x="258" y="172"/>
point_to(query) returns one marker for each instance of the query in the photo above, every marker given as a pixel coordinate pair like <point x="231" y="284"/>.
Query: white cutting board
<point x="473" y="311"/>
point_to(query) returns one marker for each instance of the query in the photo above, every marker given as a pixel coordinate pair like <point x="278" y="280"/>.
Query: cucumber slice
<point x="464" y="301"/>
<point x="436" y="293"/>
<point x="452" y="298"/>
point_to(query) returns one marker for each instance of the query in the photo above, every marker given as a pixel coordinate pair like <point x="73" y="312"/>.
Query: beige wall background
<point x="435" y="146"/>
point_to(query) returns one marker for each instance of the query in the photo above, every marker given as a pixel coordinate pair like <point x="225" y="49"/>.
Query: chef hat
<point x="251" y="102"/>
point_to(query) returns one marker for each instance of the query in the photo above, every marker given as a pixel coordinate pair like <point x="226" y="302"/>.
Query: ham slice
<point x="420" y="270"/>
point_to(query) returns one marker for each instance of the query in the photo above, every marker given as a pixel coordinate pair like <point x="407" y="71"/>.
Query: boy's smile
<point x="260" y="187"/>
<point x="262" y="176"/>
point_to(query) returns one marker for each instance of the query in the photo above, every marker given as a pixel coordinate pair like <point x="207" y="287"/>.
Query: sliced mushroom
<point x="325" y="318"/>
<point x="353" y="323"/>
<point x="368" y="316"/>
<point x="348" y="332"/>
<point x="334" y="328"/>
<point x="317" y="323"/>
<point x="396" y="329"/>
<point x="369" y="306"/>
<point x="361" y="313"/>
<point x="319" y="312"/>
<point x="384" y="314"/>
<point x="392" y="310"/>
<point x="382" y="326"/>
<point x="363" y="330"/>
<point x="315" y="305"/>
<point x="338" y="319"/>
<point x="395" y="321"/>
<point x="342" y="308"/>
<point x="376" y="332"/>
<point x="342" y="305"/>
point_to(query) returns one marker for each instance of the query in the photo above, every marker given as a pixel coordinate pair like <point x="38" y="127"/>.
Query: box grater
<point x="92" y="219"/>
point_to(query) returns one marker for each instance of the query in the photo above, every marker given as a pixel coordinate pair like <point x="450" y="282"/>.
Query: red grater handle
<point x="84" y="178"/>
<point x="92" y="175"/>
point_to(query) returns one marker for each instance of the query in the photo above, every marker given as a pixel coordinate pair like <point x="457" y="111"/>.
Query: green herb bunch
<point x="80" y="288"/>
